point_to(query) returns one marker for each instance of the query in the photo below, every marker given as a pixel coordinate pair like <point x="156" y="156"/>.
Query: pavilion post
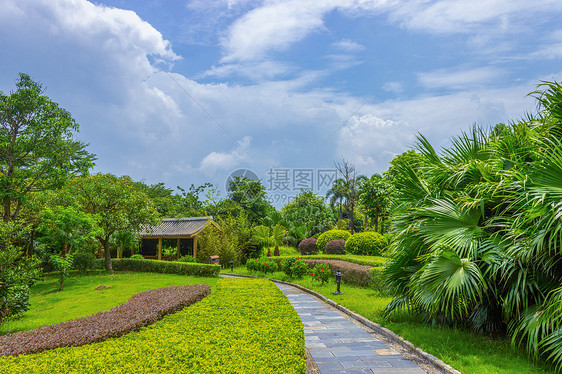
<point x="179" y="249"/>
<point x="160" y="248"/>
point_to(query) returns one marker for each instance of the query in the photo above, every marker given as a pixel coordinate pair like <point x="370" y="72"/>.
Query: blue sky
<point x="185" y="92"/>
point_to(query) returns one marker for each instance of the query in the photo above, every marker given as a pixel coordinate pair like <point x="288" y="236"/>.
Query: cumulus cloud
<point x="226" y="160"/>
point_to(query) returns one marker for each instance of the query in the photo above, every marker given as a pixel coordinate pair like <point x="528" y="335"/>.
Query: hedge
<point x="331" y="235"/>
<point x="244" y="326"/>
<point x="168" y="267"/>
<point x="366" y="243"/>
<point x="356" y="259"/>
<point x="142" y="309"/>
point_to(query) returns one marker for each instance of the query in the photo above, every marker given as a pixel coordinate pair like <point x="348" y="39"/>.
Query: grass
<point x="243" y="326"/>
<point x="79" y="297"/>
<point x="467" y="352"/>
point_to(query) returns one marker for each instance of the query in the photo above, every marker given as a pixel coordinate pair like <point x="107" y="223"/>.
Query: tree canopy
<point x="37" y="148"/>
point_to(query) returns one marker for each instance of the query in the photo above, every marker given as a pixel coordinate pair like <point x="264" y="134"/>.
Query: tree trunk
<point x="105" y="243"/>
<point x="7" y="205"/>
<point x="276" y="252"/>
<point x="268" y="252"/>
<point x="352" y="217"/>
<point x="377" y="219"/>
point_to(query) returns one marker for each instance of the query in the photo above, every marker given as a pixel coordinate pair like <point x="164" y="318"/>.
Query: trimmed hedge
<point x="308" y="246"/>
<point x="140" y="310"/>
<point x="356" y="259"/>
<point x="351" y="273"/>
<point x="244" y="326"/>
<point x="335" y="247"/>
<point x="331" y="235"/>
<point x="167" y="267"/>
<point x="366" y="243"/>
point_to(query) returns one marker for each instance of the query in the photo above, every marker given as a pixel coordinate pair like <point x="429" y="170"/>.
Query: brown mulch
<point x="140" y="310"/>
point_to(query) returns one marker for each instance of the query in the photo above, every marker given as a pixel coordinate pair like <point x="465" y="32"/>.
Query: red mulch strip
<point x="141" y="310"/>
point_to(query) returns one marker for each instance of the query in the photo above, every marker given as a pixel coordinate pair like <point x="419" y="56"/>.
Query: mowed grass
<point x="467" y="352"/>
<point x="79" y="298"/>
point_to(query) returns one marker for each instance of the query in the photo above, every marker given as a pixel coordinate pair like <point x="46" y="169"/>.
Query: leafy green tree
<point x="119" y="205"/>
<point x="37" y="149"/>
<point x="375" y="196"/>
<point x="306" y="213"/>
<point x="350" y="183"/>
<point x="251" y="197"/>
<point x="66" y="228"/>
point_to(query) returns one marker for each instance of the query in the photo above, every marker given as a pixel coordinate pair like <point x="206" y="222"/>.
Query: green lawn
<point x="79" y="297"/>
<point x="467" y="352"/>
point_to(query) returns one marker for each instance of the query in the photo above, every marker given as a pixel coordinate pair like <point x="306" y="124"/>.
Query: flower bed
<point x="244" y="326"/>
<point x="142" y="309"/>
<point x="351" y="273"/>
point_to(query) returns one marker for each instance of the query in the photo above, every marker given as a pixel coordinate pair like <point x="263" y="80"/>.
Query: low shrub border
<point x="244" y="326"/>
<point x="356" y="259"/>
<point x="140" y="310"/>
<point x="167" y="267"/>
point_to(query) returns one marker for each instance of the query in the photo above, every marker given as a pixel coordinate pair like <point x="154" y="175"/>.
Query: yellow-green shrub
<point x="366" y="243"/>
<point x="244" y="326"/>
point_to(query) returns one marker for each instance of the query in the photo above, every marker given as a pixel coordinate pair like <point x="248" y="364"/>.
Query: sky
<point x="188" y="92"/>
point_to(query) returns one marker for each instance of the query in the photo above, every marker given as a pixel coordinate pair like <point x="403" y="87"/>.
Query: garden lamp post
<point x="231" y="265"/>
<point x="338" y="282"/>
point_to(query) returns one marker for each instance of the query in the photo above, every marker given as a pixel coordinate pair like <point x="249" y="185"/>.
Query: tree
<point x="306" y="212"/>
<point x="66" y="228"/>
<point x="37" y="149"/>
<point x="350" y="188"/>
<point x="115" y="200"/>
<point x="374" y="197"/>
<point x="251" y="197"/>
<point x="336" y="194"/>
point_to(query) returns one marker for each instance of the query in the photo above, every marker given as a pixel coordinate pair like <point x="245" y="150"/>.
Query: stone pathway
<point x="340" y="346"/>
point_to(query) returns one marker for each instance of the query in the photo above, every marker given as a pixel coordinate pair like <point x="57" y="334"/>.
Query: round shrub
<point x="366" y="243"/>
<point x="331" y="235"/>
<point x="335" y="247"/>
<point x="137" y="256"/>
<point x="308" y="246"/>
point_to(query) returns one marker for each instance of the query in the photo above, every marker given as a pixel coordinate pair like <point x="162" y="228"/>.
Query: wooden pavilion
<point x="182" y="232"/>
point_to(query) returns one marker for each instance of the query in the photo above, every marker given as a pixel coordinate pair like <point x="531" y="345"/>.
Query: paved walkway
<point x="340" y="346"/>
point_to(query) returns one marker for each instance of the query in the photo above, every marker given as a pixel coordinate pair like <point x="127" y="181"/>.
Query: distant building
<point x="180" y="233"/>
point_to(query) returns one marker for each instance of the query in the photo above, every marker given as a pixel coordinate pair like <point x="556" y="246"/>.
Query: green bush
<point x="84" y="261"/>
<point x="308" y="246"/>
<point x="335" y="247"/>
<point x="286" y="265"/>
<point x="377" y="279"/>
<point x="167" y="267"/>
<point x="298" y="269"/>
<point x="366" y="243"/>
<point x="136" y="256"/>
<point x="331" y="235"/>
<point x="321" y="273"/>
<point x="243" y="326"/>
<point x="187" y="258"/>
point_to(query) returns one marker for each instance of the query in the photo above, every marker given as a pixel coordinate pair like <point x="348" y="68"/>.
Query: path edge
<point x="434" y="361"/>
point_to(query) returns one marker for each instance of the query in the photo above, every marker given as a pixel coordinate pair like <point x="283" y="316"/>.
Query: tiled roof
<point x="175" y="227"/>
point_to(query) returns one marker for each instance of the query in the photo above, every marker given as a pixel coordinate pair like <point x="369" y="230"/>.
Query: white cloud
<point x="226" y="161"/>
<point x="348" y="45"/>
<point x="461" y="78"/>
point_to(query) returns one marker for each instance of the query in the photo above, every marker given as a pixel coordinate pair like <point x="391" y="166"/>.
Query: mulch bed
<point x="140" y="310"/>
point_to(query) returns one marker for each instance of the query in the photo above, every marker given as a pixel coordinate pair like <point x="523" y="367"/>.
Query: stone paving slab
<point x="340" y="346"/>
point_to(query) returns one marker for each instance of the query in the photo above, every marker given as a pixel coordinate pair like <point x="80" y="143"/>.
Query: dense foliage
<point x="331" y="235"/>
<point x="140" y="310"/>
<point x="335" y="247"/>
<point x="366" y="243"/>
<point x="244" y="326"/>
<point x="478" y="231"/>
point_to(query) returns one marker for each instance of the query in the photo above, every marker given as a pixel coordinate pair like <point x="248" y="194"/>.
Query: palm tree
<point x="336" y="195"/>
<point x="479" y="231"/>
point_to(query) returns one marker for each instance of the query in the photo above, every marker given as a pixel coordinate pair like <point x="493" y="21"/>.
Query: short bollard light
<point x="231" y="265"/>
<point x="338" y="282"/>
